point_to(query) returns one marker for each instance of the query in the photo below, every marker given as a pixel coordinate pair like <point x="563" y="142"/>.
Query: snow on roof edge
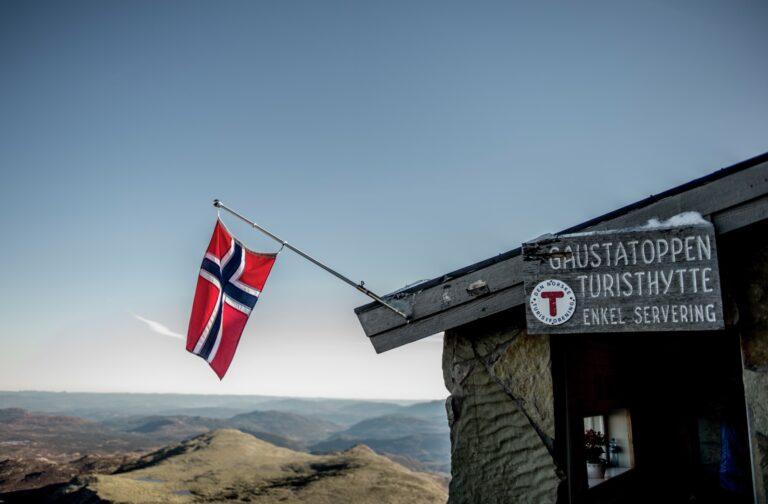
<point x="680" y="220"/>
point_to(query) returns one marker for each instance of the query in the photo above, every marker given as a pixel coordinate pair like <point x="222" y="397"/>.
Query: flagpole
<point x="360" y="286"/>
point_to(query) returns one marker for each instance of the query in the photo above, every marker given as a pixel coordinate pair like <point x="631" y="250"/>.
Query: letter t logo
<point x="553" y="296"/>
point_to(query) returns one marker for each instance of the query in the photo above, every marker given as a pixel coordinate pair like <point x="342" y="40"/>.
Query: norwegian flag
<point x="230" y="282"/>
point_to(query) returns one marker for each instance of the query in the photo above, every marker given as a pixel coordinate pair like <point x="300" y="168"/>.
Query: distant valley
<point x="49" y="438"/>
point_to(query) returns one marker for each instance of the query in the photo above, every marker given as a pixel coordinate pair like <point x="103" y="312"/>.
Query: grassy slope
<point x="228" y="464"/>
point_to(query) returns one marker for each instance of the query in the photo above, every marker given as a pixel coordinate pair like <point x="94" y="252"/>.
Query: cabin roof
<point x="732" y="198"/>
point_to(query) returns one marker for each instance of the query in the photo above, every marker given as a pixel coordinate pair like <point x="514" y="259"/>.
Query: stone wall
<point x="501" y="413"/>
<point x="745" y="261"/>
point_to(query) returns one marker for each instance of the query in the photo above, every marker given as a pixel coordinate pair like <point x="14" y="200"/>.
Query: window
<point x="608" y="446"/>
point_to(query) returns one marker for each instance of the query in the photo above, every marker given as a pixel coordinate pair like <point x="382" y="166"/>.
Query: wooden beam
<point x="427" y="326"/>
<point x="740" y="216"/>
<point x="732" y="198"/>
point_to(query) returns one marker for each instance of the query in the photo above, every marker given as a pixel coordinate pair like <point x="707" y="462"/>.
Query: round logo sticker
<point x="553" y="302"/>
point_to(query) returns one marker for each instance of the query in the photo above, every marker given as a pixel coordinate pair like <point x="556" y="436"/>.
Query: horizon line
<point x="370" y="399"/>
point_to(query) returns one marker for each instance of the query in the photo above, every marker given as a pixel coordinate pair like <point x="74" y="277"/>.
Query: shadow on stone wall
<point x="501" y="412"/>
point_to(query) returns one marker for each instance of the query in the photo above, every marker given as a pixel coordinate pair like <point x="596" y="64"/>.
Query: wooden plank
<point x="450" y="294"/>
<point x="439" y="304"/>
<point x="741" y="216"/>
<point x="641" y="279"/>
<point x="479" y="308"/>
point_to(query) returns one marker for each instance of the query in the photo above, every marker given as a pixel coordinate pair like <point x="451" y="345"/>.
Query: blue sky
<point x="394" y="140"/>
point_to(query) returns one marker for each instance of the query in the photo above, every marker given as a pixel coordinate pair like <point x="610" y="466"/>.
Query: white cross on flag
<point x="230" y="282"/>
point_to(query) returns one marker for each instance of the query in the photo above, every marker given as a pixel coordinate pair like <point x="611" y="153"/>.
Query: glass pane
<point x="608" y="450"/>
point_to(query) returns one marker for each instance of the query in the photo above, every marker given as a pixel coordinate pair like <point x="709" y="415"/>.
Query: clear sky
<point x="396" y="140"/>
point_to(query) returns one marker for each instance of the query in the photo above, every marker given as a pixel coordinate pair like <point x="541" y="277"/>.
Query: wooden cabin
<point x="589" y="410"/>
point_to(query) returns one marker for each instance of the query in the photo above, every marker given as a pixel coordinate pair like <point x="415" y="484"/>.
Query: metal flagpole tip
<point x="216" y="203"/>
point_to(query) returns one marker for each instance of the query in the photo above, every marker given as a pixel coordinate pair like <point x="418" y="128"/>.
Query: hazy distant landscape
<point x="47" y="439"/>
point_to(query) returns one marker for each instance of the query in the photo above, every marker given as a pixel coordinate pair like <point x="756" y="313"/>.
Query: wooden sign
<point x="630" y="280"/>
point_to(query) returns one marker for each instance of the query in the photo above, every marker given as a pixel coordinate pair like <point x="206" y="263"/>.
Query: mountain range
<point x="103" y="406"/>
<point x="229" y="465"/>
<point x="47" y="447"/>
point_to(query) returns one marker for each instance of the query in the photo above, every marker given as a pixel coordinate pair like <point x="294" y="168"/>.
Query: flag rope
<point x="359" y="286"/>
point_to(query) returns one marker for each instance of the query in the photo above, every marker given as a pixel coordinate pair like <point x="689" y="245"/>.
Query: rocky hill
<point x="27" y="473"/>
<point x="39" y="449"/>
<point x="231" y="465"/>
